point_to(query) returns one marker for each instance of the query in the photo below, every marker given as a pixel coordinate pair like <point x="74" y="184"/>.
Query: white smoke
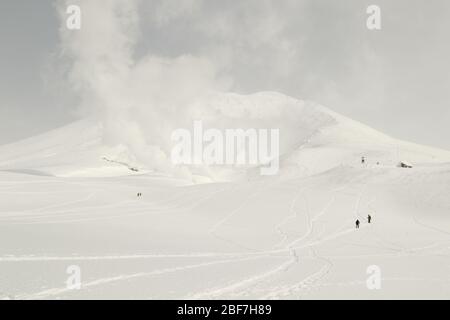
<point x="140" y="101"/>
<point x="141" y="98"/>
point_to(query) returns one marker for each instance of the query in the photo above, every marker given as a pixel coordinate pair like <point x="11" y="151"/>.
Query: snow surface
<point x="69" y="198"/>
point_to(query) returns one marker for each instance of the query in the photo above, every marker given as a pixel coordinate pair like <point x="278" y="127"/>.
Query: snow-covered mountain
<point x="69" y="198"/>
<point x="313" y="139"/>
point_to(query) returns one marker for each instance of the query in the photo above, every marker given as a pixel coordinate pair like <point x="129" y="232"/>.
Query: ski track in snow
<point x="102" y="281"/>
<point x="252" y="285"/>
<point x="240" y="287"/>
<point x="290" y="248"/>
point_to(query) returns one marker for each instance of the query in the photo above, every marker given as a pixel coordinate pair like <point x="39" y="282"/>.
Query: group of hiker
<point x="139" y="194"/>
<point x="369" y="220"/>
<point x="369" y="217"/>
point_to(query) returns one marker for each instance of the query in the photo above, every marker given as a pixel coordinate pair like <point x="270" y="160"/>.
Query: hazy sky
<point x="396" y="80"/>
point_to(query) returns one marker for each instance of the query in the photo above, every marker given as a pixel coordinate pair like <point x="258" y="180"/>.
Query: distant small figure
<point x="139" y="194"/>
<point x="363" y="160"/>
<point x="369" y="218"/>
<point x="357" y="224"/>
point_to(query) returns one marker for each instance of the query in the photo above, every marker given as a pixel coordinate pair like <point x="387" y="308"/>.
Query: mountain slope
<point x="69" y="203"/>
<point x="313" y="139"/>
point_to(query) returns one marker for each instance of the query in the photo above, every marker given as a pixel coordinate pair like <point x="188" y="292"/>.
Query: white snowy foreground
<point x="65" y="200"/>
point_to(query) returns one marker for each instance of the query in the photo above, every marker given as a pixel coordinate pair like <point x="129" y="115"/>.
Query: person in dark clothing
<point x="363" y="160"/>
<point x="357" y="224"/>
<point x="369" y="218"/>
